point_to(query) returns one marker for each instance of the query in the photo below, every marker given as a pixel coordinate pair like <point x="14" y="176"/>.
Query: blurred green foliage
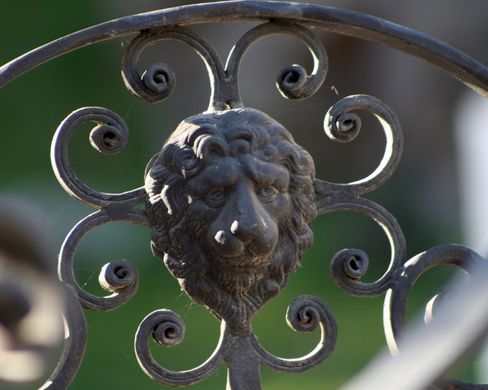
<point x="31" y="109"/>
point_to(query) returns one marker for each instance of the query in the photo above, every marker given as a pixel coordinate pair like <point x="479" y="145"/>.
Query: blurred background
<point x="435" y="194"/>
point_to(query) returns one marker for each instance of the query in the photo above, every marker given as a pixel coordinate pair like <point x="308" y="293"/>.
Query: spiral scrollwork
<point x="108" y="139"/>
<point x="348" y="266"/>
<point x="293" y="81"/>
<point x="305" y="314"/>
<point x="109" y="136"/>
<point x="169" y="333"/>
<point x="118" y="277"/>
<point x="395" y="307"/>
<point x="168" y="329"/>
<point x="158" y="81"/>
<point x="396" y="299"/>
<point x="351" y="263"/>
<point x="342" y="125"/>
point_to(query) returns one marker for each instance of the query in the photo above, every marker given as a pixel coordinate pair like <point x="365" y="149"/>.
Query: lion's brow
<point x="265" y="173"/>
<point x="213" y="176"/>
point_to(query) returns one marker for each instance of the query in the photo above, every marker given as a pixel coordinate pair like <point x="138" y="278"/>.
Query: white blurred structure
<point x="426" y="351"/>
<point x="471" y="128"/>
<point x="471" y="125"/>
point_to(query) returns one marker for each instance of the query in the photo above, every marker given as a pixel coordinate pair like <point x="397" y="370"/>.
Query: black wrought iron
<point x="230" y="197"/>
<point x="460" y="323"/>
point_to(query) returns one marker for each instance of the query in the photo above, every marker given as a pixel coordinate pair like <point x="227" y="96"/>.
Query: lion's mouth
<point x="243" y="261"/>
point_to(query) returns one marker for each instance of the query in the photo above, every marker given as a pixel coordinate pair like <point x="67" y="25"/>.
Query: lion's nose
<point x="248" y="216"/>
<point x="246" y="228"/>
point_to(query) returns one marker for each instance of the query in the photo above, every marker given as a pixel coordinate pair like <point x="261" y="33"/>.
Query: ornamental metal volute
<point x="230" y="197"/>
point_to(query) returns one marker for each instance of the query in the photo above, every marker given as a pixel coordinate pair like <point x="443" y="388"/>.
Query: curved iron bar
<point x="167" y="328"/>
<point x="293" y="81"/>
<point x="158" y="80"/>
<point x="451" y="60"/>
<point x="108" y="137"/>
<point x="348" y="266"/>
<point x="118" y="277"/>
<point x="76" y="334"/>
<point x="395" y="307"/>
<point x="461" y="321"/>
<point x="396" y="299"/>
<point x="342" y="125"/>
<point x="304" y="314"/>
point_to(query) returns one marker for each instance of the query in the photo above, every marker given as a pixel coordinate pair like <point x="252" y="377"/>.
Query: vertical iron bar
<point x="244" y="366"/>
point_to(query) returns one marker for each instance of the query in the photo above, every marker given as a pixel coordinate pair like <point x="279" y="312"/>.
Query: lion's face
<point x="230" y="200"/>
<point x="244" y="199"/>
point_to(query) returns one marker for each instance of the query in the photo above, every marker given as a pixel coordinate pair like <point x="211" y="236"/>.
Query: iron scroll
<point x="230" y="197"/>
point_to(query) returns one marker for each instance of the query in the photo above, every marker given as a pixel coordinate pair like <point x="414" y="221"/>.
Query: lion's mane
<point x="178" y="236"/>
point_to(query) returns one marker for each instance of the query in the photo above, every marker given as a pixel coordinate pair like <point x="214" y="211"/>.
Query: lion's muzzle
<point x="243" y="233"/>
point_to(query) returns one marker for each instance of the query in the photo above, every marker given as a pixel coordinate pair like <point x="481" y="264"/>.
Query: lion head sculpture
<point x="230" y="201"/>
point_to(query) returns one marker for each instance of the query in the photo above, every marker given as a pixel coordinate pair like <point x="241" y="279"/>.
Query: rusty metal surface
<point x="230" y="197"/>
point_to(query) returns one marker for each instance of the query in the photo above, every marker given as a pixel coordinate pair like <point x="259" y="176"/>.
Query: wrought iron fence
<point x="230" y="197"/>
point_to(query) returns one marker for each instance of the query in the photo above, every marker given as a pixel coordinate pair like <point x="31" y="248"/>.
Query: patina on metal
<point x="230" y="197"/>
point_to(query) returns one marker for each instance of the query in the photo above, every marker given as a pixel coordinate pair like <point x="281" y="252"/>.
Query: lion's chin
<point x="238" y="281"/>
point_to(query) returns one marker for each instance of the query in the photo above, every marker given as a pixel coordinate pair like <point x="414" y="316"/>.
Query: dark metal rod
<point x="244" y="366"/>
<point x="453" y="61"/>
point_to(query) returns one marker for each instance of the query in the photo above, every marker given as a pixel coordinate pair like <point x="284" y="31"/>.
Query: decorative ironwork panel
<point x="230" y="197"/>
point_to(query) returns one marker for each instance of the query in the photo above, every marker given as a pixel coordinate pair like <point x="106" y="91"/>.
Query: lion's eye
<point x="215" y="197"/>
<point x="267" y="193"/>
